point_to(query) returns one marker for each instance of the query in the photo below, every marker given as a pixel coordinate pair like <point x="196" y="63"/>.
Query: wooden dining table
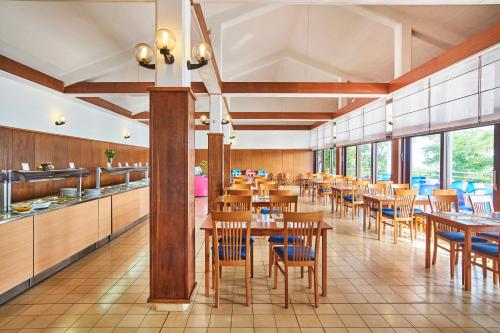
<point x="381" y="201"/>
<point x="274" y="227"/>
<point x="316" y="184"/>
<point x="468" y="223"/>
<point x="339" y="191"/>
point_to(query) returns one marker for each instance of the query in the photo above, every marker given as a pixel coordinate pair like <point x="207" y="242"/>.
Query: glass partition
<point x="319" y="160"/>
<point x="351" y="161"/>
<point x="383" y="156"/>
<point x="425" y="163"/>
<point x="365" y="161"/>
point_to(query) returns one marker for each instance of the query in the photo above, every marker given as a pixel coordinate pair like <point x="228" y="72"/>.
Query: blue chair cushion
<point x="243" y="239"/>
<point x="265" y="211"/>
<point x="242" y="254"/>
<point x="348" y="198"/>
<point x="280" y="251"/>
<point x="390" y="211"/>
<point x="490" y="249"/>
<point x="489" y="234"/>
<point x="457" y="236"/>
<point x="281" y="239"/>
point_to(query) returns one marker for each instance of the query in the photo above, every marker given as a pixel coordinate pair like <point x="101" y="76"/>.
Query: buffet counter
<point x="37" y="244"/>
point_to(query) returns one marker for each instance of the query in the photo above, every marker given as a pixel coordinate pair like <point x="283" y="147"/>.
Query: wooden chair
<point x="354" y="199"/>
<point x="265" y="187"/>
<point x="324" y="191"/>
<point x="375" y="189"/>
<point x="231" y="244"/>
<point x="241" y="181"/>
<point x="282" y="192"/>
<point x="483" y="204"/>
<point x="439" y="191"/>
<point x="455" y="238"/>
<point x="401" y="213"/>
<point x="242" y="186"/>
<point x="487" y="251"/>
<point x="395" y="187"/>
<point x="280" y="204"/>
<point x="300" y="249"/>
<point x="239" y="192"/>
<point x="236" y="203"/>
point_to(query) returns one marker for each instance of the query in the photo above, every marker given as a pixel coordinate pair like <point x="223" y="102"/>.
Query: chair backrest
<point x="376" y="189"/>
<point x="239" y="192"/>
<point x="241" y="181"/>
<point x="443" y="203"/>
<point x="450" y="191"/>
<point x="237" y="203"/>
<point x="229" y="231"/>
<point x="481" y="204"/>
<point x="240" y="176"/>
<point x="359" y="188"/>
<point x="265" y="187"/>
<point x="394" y="187"/>
<point x="283" y="203"/>
<point x="404" y="203"/>
<point x="242" y="186"/>
<point x="282" y="192"/>
<point x="302" y="231"/>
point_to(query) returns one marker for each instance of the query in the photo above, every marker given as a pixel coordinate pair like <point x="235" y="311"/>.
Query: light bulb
<point x="165" y="39"/>
<point x="143" y="53"/>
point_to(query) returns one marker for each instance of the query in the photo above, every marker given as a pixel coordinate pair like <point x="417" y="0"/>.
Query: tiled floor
<point x="374" y="286"/>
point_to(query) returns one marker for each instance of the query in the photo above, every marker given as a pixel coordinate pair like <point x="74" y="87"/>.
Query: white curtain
<point x="374" y="121"/>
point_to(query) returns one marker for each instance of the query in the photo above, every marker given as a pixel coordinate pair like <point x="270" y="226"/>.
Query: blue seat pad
<point x="489" y="234"/>
<point x="390" y="211"/>
<point x="221" y="252"/>
<point x="265" y="211"/>
<point x="490" y="249"/>
<point x="280" y="251"/>
<point x="281" y="239"/>
<point x="243" y="239"/>
<point x="348" y="198"/>
<point x="457" y="236"/>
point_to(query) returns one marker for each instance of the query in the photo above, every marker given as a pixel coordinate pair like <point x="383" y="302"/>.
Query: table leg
<point x="341" y="204"/>
<point x="207" y="263"/>
<point x="324" y="260"/>
<point x="379" y="221"/>
<point x="466" y="257"/>
<point x="365" y="206"/>
<point x="333" y="201"/>
<point x="428" y="236"/>
<point x="313" y="193"/>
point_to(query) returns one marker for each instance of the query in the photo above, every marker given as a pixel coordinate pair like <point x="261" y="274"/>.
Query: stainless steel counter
<point x="58" y="202"/>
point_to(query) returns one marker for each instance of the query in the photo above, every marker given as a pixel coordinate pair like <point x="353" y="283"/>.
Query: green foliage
<point x="204" y="167"/>
<point x="365" y="154"/>
<point x="351" y="161"/>
<point x="110" y="153"/>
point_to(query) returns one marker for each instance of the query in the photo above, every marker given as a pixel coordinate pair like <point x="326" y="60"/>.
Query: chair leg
<point x="275" y="272"/>
<point x="286" y="287"/>
<point x="434" y="253"/>
<point x="247" y="282"/>
<point x="316" y="287"/>
<point x="309" y="277"/>
<point x="495" y="272"/>
<point x="301" y="272"/>
<point x="251" y="262"/>
<point x="412" y="235"/>
<point x="452" y="260"/>
<point x="271" y="258"/>
<point x="216" y="281"/>
<point x="396" y="227"/>
<point x="484" y="265"/>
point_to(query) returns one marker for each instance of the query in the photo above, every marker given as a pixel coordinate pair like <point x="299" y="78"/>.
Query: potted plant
<point x="204" y="167"/>
<point x="110" y="154"/>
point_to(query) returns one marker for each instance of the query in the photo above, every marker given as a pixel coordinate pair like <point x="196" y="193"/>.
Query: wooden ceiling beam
<point x="25" y="72"/>
<point x="353" y="88"/>
<point x="97" y="101"/>
<point x="121" y="88"/>
<point x="262" y="127"/>
<point x="261" y="115"/>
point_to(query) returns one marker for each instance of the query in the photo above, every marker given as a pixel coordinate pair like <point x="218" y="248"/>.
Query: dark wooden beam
<point x="16" y="68"/>
<point x="304" y="88"/>
<point x="141" y="115"/>
<point x="97" y="101"/>
<point x="121" y="87"/>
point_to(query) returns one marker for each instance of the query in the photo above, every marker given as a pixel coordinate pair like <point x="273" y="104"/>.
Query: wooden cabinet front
<point x="16" y="253"/>
<point x="144" y="201"/>
<point x="104" y="217"/>
<point x="125" y="209"/>
<point x="61" y="233"/>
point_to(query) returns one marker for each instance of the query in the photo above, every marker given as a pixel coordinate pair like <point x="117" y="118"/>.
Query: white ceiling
<point x="275" y="41"/>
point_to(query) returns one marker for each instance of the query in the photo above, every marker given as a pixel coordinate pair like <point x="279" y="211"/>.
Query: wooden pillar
<point x="172" y="224"/>
<point x="396" y="162"/>
<point x="227" y="164"/>
<point x="215" y="168"/>
<point x="338" y="160"/>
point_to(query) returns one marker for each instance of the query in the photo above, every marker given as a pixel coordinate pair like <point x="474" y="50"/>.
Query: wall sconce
<point x="202" y="52"/>
<point x="232" y="136"/>
<point x="61" y="121"/>
<point x="165" y="43"/>
<point x="127" y="135"/>
<point x="206" y="121"/>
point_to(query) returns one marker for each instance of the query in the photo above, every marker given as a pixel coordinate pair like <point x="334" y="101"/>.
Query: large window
<point x="383" y="156"/>
<point x="319" y="160"/>
<point x="351" y="161"/>
<point x="470" y="160"/>
<point x="425" y="163"/>
<point x="327" y="154"/>
<point x="365" y="161"/>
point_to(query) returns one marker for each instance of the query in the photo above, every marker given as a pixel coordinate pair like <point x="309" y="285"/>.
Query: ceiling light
<point x="226" y="120"/>
<point x="61" y="121"/>
<point x="144" y="55"/>
<point x="204" y="120"/>
<point x="127" y="135"/>
<point x="202" y="52"/>
<point x="165" y="43"/>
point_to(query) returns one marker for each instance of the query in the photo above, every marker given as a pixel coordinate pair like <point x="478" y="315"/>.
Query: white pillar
<point x="402" y="49"/>
<point x="216" y="39"/>
<point x="227" y="129"/>
<point x="216" y="112"/>
<point x="342" y="101"/>
<point x="174" y="15"/>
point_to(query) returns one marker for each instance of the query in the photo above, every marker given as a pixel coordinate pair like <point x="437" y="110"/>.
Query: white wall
<point x="32" y="107"/>
<point x="262" y="140"/>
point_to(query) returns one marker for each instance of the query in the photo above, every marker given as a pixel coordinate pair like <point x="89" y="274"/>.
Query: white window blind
<point x="342" y="124"/>
<point x="490" y="86"/>
<point x="410" y="109"/>
<point x="320" y="138"/>
<point x="374" y="119"/>
<point x="356" y="126"/>
<point x="314" y="138"/>
<point x="328" y="134"/>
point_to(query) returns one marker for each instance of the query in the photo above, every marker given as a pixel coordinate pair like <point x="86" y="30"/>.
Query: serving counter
<point x="35" y="245"/>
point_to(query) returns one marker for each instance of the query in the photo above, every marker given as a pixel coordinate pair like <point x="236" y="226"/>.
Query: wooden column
<point x="172" y="228"/>
<point x="396" y="162"/>
<point x="338" y="160"/>
<point x="227" y="164"/>
<point x="215" y="168"/>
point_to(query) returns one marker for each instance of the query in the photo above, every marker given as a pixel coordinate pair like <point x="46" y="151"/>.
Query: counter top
<point x="58" y="202"/>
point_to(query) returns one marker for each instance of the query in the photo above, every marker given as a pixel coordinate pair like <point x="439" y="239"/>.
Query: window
<point x="383" y="158"/>
<point x="334" y="160"/>
<point x="319" y="160"/>
<point x="425" y="163"/>
<point x="470" y="160"/>
<point x="351" y="161"/>
<point x="365" y="161"/>
<point x="328" y="160"/>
